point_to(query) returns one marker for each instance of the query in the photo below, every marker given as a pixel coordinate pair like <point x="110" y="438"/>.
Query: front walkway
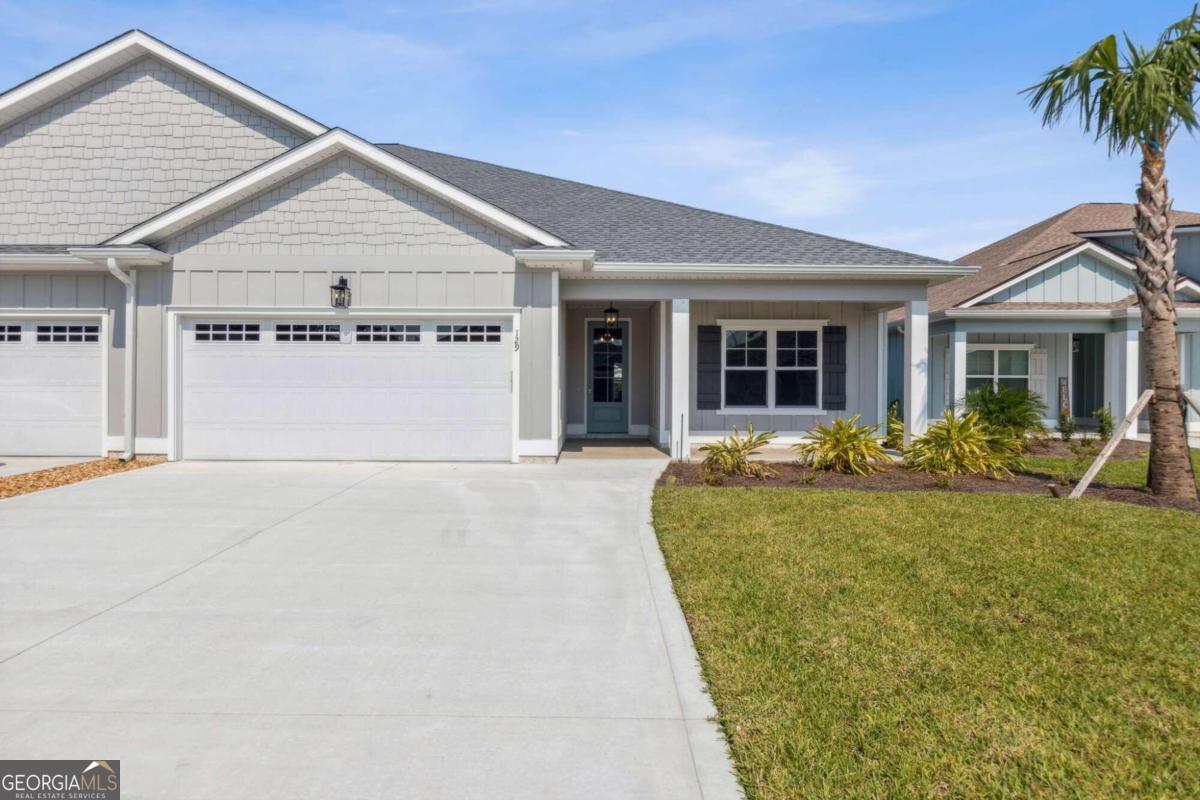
<point x="354" y="630"/>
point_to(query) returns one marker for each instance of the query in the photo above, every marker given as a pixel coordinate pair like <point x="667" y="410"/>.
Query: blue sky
<point x="897" y="123"/>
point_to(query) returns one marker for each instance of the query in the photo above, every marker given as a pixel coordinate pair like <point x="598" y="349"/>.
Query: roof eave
<point x="930" y="273"/>
<point x="87" y="67"/>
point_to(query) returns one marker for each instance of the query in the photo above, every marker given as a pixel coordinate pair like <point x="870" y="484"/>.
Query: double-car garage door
<point x="360" y="389"/>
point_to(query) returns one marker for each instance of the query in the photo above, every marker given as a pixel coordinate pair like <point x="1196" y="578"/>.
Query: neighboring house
<point x="472" y="323"/>
<point x="1053" y="308"/>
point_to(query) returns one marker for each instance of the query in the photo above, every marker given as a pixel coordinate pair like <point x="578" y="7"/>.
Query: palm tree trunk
<point x="1170" y="472"/>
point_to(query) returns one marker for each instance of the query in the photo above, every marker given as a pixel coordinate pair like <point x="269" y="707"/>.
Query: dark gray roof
<point x="630" y="228"/>
<point x="38" y="249"/>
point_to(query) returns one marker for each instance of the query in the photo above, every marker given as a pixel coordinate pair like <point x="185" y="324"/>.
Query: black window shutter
<point x="708" y="367"/>
<point x="833" y="368"/>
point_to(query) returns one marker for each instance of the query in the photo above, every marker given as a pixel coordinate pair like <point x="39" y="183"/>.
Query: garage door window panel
<point x="227" y="332"/>
<point x="403" y="333"/>
<point x="10" y="334"/>
<point x="68" y="334"/>
<point x="308" y="332"/>
<point x="468" y="333"/>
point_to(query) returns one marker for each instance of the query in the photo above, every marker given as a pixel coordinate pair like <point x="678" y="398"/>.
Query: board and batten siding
<point x="1079" y="279"/>
<point x="129" y="146"/>
<point x="1187" y="250"/>
<point x="861" y="362"/>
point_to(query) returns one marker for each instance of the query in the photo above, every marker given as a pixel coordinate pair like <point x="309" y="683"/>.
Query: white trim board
<point x="302" y="158"/>
<point x="94" y="64"/>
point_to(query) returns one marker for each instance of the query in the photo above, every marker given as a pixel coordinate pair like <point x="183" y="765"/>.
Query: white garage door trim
<point x="176" y="315"/>
<point x="98" y="315"/>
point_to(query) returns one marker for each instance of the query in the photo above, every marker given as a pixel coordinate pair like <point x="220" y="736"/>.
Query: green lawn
<point x="943" y="645"/>
<point x="1130" y="472"/>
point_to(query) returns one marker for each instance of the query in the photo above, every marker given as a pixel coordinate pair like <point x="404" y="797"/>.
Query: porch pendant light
<point x="339" y="293"/>
<point x="611" y="315"/>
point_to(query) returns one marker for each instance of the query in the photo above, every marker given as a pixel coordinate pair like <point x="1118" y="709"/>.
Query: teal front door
<point x="608" y="378"/>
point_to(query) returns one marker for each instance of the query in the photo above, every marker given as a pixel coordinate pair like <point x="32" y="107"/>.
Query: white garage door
<point x="50" y="388"/>
<point x="362" y="390"/>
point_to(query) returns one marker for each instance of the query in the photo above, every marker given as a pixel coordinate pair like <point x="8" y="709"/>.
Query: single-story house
<point x="190" y="267"/>
<point x="1053" y="309"/>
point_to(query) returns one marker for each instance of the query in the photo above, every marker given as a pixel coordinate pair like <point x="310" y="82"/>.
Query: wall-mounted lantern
<point x="611" y="316"/>
<point x="339" y="293"/>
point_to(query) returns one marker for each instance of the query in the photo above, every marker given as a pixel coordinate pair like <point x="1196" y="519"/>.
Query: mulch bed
<point x="895" y="478"/>
<point x="13" y="485"/>
<point x="1127" y="449"/>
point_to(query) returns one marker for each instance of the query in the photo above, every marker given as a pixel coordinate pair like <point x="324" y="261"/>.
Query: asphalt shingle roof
<point x="623" y="227"/>
<point x="1005" y="259"/>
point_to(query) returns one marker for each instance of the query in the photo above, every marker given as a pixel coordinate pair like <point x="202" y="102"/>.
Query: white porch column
<point x="680" y="364"/>
<point x="664" y="424"/>
<point x="881" y="369"/>
<point x="958" y="368"/>
<point x="916" y="368"/>
<point x="1122" y="373"/>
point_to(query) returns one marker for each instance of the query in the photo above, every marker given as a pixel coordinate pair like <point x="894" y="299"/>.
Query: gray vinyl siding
<point x="127" y="147"/>
<point x="1187" y="250"/>
<point x="861" y="368"/>
<point x="1079" y="279"/>
<point x="1191" y="374"/>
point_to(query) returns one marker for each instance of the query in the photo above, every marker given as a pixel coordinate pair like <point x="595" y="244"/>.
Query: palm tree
<point x="1137" y="98"/>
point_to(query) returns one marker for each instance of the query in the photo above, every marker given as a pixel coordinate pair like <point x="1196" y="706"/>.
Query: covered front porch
<point x="679" y="363"/>
<point x="1076" y="362"/>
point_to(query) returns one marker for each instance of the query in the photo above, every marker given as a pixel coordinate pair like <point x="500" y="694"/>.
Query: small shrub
<point x="1104" y="422"/>
<point x="809" y="479"/>
<point x="1002" y="408"/>
<point x="844" y="446"/>
<point x="1066" y="426"/>
<point x="964" y="446"/>
<point x="731" y="456"/>
<point x="895" y="427"/>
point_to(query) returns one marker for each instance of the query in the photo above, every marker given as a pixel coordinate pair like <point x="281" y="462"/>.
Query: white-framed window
<point x="10" y="333"/>
<point x="227" y="332"/>
<point x="999" y="365"/>
<point x="771" y="365"/>
<point x="474" y="332"/>
<point x="68" y="332"/>
<point x="308" y="332"/>
<point x="377" y="332"/>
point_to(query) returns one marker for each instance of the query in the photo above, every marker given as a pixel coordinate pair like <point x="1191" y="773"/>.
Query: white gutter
<point x="130" y="418"/>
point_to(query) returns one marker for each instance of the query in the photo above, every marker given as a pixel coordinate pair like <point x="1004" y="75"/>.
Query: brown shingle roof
<point x="1003" y="260"/>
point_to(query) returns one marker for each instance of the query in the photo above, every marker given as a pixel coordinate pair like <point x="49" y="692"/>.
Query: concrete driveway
<point x="354" y="630"/>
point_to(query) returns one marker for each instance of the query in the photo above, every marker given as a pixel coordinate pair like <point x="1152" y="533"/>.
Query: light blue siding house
<point x="1053" y="308"/>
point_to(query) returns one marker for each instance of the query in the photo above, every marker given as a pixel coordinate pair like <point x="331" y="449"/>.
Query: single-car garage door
<point x="50" y="388"/>
<point x="361" y="390"/>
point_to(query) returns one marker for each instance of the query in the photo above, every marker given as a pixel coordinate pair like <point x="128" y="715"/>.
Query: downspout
<point x="130" y="420"/>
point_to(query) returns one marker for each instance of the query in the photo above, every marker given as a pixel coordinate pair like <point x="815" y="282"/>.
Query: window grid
<point x="797" y="360"/>
<point x="308" y="332"/>
<point x="227" y="332"/>
<point x="774" y="367"/>
<point x="69" y="333"/>
<point x="10" y="333"/>
<point x="476" y="333"/>
<point x="388" y="333"/>
<point x="747" y="371"/>
<point x="999" y="366"/>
